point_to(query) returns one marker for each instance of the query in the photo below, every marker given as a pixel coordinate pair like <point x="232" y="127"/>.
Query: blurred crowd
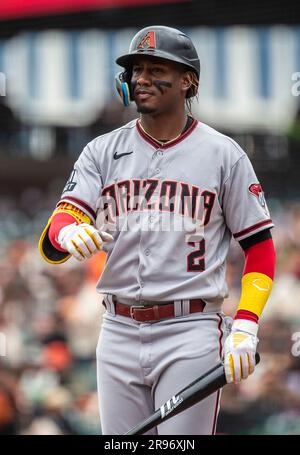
<point x="23" y="138"/>
<point x="50" y="318"/>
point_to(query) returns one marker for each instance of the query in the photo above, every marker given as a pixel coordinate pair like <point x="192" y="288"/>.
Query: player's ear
<point x="187" y="81"/>
<point x="190" y="83"/>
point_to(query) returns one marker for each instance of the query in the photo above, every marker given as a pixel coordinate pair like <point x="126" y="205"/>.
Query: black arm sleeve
<point x="256" y="238"/>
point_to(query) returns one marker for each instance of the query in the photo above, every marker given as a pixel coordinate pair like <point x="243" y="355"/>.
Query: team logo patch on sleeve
<point x="147" y="42"/>
<point x="257" y="191"/>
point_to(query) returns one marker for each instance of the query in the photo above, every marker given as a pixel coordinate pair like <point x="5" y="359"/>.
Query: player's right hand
<point x="82" y="240"/>
<point x="239" y="350"/>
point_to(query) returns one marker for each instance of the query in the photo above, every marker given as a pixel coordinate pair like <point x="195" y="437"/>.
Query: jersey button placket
<point x="154" y="171"/>
<point x="142" y="250"/>
<point x="155" y="168"/>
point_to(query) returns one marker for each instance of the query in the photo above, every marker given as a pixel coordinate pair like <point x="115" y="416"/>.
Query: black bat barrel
<point x="196" y="391"/>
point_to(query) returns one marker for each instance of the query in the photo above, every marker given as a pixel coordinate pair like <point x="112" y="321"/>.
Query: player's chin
<point x="145" y="108"/>
<point x="147" y="105"/>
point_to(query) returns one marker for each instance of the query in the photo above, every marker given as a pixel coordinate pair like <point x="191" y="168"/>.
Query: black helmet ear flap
<point x="122" y="80"/>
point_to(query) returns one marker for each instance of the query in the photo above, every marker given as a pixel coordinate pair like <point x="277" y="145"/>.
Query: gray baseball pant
<point x="142" y="365"/>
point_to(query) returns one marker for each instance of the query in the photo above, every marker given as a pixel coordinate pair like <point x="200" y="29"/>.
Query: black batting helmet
<point x="162" y="42"/>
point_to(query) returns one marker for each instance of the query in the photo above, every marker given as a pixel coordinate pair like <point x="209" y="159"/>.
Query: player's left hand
<point x="239" y="350"/>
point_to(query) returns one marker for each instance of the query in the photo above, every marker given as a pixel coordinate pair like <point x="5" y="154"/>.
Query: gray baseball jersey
<point x="172" y="210"/>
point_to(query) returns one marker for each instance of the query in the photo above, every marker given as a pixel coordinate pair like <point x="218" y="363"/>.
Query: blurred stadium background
<point x="57" y="93"/>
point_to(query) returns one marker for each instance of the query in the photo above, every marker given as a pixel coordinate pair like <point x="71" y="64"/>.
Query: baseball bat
<point x="196" y="391"/>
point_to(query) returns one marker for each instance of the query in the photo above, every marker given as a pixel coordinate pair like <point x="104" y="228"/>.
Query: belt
<point x="155" y="312"/>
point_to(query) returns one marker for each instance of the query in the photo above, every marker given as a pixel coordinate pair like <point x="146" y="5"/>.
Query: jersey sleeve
<point x="244" y="205"/>
<point x="82" y="190"/>
<point x="83" y="187"/>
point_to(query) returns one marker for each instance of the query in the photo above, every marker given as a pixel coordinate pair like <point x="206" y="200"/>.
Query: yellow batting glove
<point x="240" y="349"/>
<point x="82" y="240"/>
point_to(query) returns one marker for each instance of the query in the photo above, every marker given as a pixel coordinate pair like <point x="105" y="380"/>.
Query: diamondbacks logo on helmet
<point x="257" y="191"/>
<point x="147" y="42"/>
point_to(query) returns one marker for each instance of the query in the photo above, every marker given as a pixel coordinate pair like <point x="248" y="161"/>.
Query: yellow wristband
<point x="78" y="214"/>
<point x="256" y="288"/>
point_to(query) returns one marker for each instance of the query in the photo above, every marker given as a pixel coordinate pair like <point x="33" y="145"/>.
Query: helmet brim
<point x="126" y="60"/>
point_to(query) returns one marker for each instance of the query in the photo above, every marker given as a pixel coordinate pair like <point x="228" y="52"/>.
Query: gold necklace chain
<point x="156" y="140"/>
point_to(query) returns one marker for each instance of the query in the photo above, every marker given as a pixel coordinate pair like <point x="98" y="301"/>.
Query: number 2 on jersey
<point x="195" y="260"/>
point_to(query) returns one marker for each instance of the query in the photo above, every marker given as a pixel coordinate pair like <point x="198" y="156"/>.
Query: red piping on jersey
<point x="81" y="203"/>
<point x="221" y="336"/>
<point x="252" y="228"/>
<point x="157" y="145"/>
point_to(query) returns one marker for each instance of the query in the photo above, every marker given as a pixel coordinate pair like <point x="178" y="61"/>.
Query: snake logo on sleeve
<point x="257" y="191"/>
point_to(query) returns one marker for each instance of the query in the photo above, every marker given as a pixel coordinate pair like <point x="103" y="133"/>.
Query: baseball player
<point x="163" y="195"/>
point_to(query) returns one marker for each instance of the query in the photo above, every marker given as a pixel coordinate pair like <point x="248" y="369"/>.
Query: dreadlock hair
<point x="192" y="91"/>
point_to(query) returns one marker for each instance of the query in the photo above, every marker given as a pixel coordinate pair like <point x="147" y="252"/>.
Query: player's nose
<point x="143" y="79"/>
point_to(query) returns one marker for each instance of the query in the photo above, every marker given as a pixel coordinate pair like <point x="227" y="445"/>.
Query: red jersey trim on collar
<point x="157" y="145"/>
